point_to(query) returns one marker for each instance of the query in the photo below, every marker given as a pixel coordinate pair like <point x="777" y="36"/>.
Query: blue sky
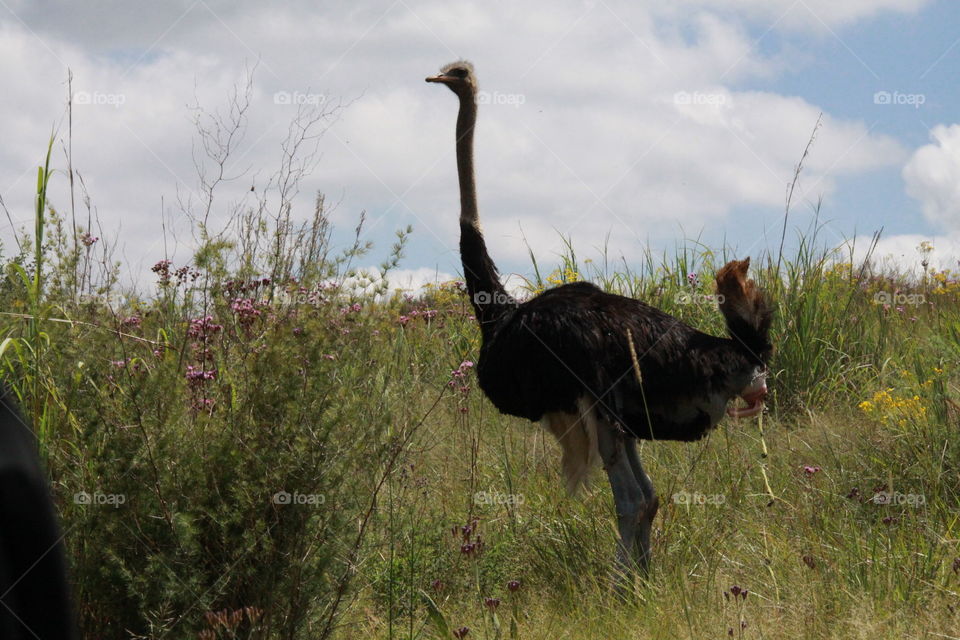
<point x="913" y="54"/>
<point x="592" y="140"/>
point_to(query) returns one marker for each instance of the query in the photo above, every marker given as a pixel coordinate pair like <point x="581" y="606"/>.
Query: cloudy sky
<point x="618" y="123"/>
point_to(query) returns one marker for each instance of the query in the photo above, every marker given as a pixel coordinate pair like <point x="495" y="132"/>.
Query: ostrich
<point x="599" y="370"/>
<point x="34" y="593"/>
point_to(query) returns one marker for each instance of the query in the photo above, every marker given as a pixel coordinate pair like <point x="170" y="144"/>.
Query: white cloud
<point x="413" y="280"/>
<point x="901" y="253"/>
<point x="932" y="176"/>
<point x="809" y="14"/>
<point x="598" y="146"/>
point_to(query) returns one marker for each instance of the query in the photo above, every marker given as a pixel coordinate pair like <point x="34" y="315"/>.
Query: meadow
<point x="257" y="446"/>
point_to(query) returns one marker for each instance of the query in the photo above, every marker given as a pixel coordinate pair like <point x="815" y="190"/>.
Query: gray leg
<point x="628" y="495"/>
<point x="651" y="504"/>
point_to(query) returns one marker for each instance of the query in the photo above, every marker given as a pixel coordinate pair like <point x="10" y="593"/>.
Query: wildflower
<point x="491" y="603"/>
<point x="197" y="375"/>
<point x="403" y="320"/>
<point x="162" y="269"/>
<point x="461" y="632"/>
<point x="203" y="327"/>
<point x="245" y="309"/>
<point x="87" y="239"/>
<point x="513" y="585"/>
<point x="809" y="561"/>
<point x="132" y="321"/>
<point x="810" y="471"/>
<point x="437" y="585"/>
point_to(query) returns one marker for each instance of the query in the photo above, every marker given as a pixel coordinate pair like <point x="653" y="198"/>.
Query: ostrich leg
<point x="651" y="504"/>
<point x="628" y="495"/>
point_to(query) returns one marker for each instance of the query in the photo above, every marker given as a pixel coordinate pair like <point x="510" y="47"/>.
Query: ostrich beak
<point x="753" y="396"/>
<point x="438" y="78"/>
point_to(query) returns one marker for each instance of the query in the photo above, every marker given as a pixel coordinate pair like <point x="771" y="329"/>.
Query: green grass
<point x="183" y="410"/>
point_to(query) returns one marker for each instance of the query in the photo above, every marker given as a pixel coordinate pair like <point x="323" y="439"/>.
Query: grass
<point x="253" y="449"/>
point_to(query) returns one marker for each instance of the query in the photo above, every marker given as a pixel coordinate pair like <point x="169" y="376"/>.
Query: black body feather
<point x="573" y="343"/>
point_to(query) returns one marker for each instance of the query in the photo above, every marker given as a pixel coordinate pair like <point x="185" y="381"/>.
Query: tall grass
<point x="253" y="449"/>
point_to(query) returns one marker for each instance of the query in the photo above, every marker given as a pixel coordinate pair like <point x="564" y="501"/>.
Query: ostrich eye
<point x="459" y="72"/>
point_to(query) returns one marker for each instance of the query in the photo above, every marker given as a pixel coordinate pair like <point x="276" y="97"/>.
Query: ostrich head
<point x="459" y="78"/>
<point x="748" y="315"/>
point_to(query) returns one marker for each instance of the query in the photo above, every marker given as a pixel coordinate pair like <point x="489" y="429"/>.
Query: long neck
<point x="466" y="123"/>
<point x="489" y="298"/>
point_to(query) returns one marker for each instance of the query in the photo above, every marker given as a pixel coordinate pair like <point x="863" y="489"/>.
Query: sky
<point x="621" y="125"/>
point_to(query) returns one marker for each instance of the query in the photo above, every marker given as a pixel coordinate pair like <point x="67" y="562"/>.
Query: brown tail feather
<point x="744" y="307"/>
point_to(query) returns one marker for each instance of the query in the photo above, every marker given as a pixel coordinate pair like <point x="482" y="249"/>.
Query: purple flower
<point x="197" y="375"/>
<point x="203" y="327"/>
